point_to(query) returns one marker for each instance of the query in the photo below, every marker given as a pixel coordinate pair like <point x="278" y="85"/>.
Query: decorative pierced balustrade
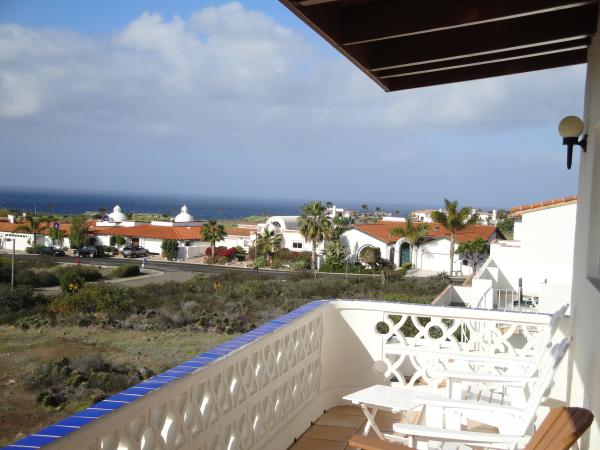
<point x="263" y="389"/>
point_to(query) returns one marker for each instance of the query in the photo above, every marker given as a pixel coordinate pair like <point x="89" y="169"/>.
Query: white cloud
<point x="232" y="80"/>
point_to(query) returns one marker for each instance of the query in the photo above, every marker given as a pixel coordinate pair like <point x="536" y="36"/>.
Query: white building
<point x="433" y="255"/>
<point x="288" y="227"/>
<point x="184" y="229"/>
<point x="24" y="239"/>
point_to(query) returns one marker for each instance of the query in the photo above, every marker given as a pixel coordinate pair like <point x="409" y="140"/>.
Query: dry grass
<point x="21" y="351"/>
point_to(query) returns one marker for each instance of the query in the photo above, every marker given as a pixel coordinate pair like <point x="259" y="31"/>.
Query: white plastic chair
<point x="510" y="421"/>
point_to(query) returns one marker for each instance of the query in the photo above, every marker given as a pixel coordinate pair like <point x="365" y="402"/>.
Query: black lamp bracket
<point x="572" y="141"/>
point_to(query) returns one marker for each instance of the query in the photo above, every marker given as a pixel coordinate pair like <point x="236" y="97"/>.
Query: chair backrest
<point x="544" y="340"/>
<point x="540" y="386"/>
<point x="560" y="429"/>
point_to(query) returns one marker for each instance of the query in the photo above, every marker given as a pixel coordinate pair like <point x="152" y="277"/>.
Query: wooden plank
<point x="392" y="18"/>
<point x="486" y="70"/>
<point x="478" y="39"/>
<point x="483" y="59"/>
<point x="374" y="443"/>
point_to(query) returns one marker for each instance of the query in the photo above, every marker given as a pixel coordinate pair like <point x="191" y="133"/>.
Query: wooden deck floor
<point x="334" y="428"/>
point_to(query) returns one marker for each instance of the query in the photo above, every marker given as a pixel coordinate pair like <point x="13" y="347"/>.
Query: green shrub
<point x="85" y="379"/>
<point x="89" y="240"/>
<point x="20" y="301"/>
<point x="38" y="278"/>
<point x="71" y="280"/>
<point x="170" y="249"/>
<point x="300" y="265"/>
<point x="33" y="249"/>
<point x="260" y="261"/>
<point x="88" y="273"/>
<point x="126" y="270"/>
<point x="104" y="298"/>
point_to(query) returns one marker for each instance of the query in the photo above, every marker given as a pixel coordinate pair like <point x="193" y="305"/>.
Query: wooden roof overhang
<point x="404" y="44"/>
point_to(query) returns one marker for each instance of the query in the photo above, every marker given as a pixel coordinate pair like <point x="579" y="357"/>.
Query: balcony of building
<point x="265" y="389"/>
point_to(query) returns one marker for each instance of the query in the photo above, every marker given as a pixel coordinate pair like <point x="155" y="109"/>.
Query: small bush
<point x="170" y="249"/>
<point x="126" y="270"/>
<point x="71" y="281"/>
<point x="260" y="261"/>
<point x="88" y="273"/>
<point x="228" y="253"/>
<point x="33" y="249"/>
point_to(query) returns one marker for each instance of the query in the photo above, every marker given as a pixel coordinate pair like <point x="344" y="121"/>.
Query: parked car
<point x="90" y="251"/>
<point x="134" y="251"/>
<point x="53" y="251"/>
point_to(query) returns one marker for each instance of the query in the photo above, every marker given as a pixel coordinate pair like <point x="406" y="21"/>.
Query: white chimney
<point x="11" y="218"/>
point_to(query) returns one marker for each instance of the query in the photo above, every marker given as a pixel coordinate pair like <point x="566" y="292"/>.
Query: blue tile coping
<point x="69" y="424"/>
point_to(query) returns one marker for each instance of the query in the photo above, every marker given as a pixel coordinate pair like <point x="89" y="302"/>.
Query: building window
<point x="296" y="244"/>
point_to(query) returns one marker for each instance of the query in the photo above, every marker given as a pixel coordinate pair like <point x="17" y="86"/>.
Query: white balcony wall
<point x="265" y="394"/>
<point x="585" y="310"/>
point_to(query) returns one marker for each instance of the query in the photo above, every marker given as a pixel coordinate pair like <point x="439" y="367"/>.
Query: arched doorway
<point x="404" y="253"/>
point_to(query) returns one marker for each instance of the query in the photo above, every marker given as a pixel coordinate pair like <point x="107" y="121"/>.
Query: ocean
<point x="60" y="203"/>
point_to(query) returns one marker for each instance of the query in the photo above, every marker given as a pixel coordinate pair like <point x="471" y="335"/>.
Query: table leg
<point x="370" y="415"/>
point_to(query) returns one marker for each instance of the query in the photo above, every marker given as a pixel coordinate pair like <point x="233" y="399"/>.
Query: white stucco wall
<point x="355" y="240"/>
<point x="585" y="309"/>
<point x="544" y="253"/>
<point x="435" y="256"/>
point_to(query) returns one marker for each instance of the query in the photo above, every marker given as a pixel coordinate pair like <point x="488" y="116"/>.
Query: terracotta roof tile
<point x="149" y="231"/>
<point x="11" y="227"/>
<point x="519" y="210"/>
<point x="382" y="231"/>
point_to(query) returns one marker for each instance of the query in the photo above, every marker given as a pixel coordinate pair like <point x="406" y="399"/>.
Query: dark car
<point x="53" y="251"/>
<point x="134" y="251"/>
<point x="90" y="251"/>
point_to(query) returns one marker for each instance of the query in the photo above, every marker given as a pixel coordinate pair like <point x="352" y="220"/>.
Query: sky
<point x="241" y="98"/>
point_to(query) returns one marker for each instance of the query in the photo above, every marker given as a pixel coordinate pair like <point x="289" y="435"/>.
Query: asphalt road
<point x="164" y="266"/>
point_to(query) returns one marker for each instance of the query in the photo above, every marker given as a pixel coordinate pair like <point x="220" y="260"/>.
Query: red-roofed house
<point x="431" y="256"/>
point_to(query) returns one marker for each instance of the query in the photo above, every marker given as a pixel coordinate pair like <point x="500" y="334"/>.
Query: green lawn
<point x="21" y="351"/>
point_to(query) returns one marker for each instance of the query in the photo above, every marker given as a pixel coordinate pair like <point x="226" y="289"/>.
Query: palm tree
<point x="412" y="232"/>
<point x="269" y="243"/>
<point x="454" y="219"/>
<point x="314" y="225"/>
<point x="213" y="232"/>
<point x="34" y="225"/>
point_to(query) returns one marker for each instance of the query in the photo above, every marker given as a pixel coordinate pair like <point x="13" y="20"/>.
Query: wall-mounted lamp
<point x="570" y="128"/>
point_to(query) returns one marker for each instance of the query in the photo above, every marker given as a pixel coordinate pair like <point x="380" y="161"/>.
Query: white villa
<point x="23" y="239"/>
<point x="484" y="217"/>
<point x="433" y="255"/>
<point x="183" y="228"/>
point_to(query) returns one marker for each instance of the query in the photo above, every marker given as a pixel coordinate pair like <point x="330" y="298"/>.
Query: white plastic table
<point x="394" y="399"/>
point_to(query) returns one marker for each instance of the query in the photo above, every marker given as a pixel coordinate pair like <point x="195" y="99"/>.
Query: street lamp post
<point x="12" y="268"/>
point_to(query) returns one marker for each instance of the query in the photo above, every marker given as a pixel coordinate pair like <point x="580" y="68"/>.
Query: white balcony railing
<point x="263" y="389"/>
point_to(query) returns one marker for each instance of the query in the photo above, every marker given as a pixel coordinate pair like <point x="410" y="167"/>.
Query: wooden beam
<point x="327" y="23"/>
<point x="482" y="38"/>
<point x="527" y="52"/>
<point x="392" y="18"/>
<point x="315" y="2"/>
<point x="487" y="70"/>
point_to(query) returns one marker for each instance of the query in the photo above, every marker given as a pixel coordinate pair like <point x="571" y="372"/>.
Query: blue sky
<point x="232" y="98"/>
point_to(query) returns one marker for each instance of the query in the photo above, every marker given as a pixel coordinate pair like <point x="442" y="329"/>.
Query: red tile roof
<point x="11" y="227"/>
<point x="149" y="231"/>
<point x="523" y="209"/>
<point x="382" y="231"/>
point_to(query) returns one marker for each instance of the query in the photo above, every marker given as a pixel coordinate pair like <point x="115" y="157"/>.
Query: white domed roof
<point x="184" y="215"/>
<point x="117" y="215"/>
